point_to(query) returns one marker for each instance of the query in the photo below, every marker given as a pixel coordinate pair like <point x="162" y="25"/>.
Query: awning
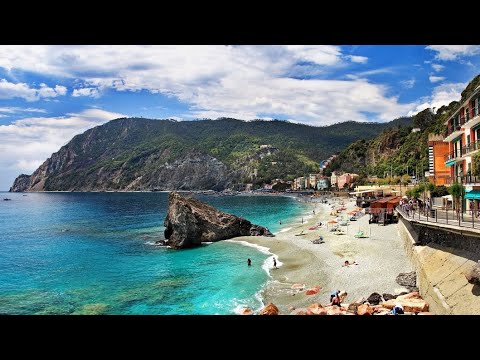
<point x="450" y="162"/>
<point x="472" y="195"/>
<point x="448" y="197"/>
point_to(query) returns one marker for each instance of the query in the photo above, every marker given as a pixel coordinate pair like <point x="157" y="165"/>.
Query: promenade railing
<point x="469" y="219"/>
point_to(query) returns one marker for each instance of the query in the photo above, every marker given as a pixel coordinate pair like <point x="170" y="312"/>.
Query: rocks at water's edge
<point x="190" y="222"/>
<point x="387" y="297"/>
<point x="374" y="299"/>
<point x="473" y="276"/>
<point x="270" y="309"/>
<point x="411" y="302"/>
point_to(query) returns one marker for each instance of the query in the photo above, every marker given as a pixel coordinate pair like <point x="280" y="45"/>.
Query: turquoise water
<point x="92" y="253"/>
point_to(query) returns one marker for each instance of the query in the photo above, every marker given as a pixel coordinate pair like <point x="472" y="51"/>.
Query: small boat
<point x="7" y="199"/>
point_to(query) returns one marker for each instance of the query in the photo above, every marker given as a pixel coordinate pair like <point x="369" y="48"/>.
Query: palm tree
<point x="456" y="190"/>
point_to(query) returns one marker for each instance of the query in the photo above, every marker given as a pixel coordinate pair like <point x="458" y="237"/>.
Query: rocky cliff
<point x="142" y="154"/>
<point x="190" y="222"/>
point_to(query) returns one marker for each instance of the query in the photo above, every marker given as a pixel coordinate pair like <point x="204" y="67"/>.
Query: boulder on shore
<point x="316" y="309"/>
<point x="409" y="280"/>
<point x="364" y="309"/>
<point x="387" y="297"/>
<point x="374" y="299"/>
<point x="190" y="222"/>
<point x="473" y="276"/>
<point x="270" y="309"/>
<point x="411" y="302"/>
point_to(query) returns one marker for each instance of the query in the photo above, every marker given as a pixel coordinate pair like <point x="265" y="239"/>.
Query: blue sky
<point x="48" y="94"/>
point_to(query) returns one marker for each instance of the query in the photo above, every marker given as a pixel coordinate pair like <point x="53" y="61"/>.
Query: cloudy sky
<point x="50" y="93"/>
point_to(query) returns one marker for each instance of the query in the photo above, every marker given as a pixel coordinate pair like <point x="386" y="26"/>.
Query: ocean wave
<point x="284" y="230"/>
<point x="268" y="263"/>
<point x="262" y="249"/>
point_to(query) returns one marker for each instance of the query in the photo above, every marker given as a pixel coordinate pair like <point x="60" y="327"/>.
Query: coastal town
<point x="240" y="180"/>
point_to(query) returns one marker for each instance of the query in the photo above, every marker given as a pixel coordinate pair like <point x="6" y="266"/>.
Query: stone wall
<point x="445" y="236"/>
<point x="441" y="269"/>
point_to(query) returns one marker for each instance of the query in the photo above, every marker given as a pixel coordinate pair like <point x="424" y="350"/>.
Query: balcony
<point x="470" y="179"/>
<point x="454" y="130"/>
<point x="464" y="179"/>
<point x="454" y="155"/>
<point x="472" y="118"/>
<point x="470" y="148"/>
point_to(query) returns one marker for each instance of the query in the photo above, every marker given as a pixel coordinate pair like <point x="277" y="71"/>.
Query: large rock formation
<point x="190" y="222"/>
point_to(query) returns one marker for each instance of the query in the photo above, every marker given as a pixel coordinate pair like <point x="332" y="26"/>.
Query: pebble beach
<point x="380" y="257"/>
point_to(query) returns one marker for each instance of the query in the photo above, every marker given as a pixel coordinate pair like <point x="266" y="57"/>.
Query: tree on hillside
<point x="424" y="119"/>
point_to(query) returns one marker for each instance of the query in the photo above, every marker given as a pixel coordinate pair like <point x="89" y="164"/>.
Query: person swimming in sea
<point x="249" y="262"/>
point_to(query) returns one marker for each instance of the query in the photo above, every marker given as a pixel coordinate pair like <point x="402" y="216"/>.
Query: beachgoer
<point x="274" y="263"/>
<point x="334" y="294"/>
<point x="397" y="310"/>
<point x="335" y="301"/>
<point x="249" y="262"/>
<point x="302" y="220"/>
<point x="313" y="212"/>
<point x="280" y="222"/>
<point x="348" y="263"/>
<point x="342" y="295"/>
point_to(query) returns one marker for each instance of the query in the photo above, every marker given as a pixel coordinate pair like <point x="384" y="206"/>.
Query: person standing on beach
<point x="249" y="262"/>
<point x="274" y="263"/>
<point x="302" y="220"/>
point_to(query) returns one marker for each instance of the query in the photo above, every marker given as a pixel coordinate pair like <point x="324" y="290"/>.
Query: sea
<point x="95" y="253"/>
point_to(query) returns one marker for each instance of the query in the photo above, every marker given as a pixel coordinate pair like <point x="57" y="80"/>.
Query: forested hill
<point x="144" y="154"/>
<point x="398" y="148"/>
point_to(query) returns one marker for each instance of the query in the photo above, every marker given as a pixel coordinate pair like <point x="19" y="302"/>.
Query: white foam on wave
<point x="284" y="230"/>
<point x="262" y="249"/>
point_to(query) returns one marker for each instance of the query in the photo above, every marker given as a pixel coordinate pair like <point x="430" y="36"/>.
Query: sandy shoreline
<point x="381" y="258"/>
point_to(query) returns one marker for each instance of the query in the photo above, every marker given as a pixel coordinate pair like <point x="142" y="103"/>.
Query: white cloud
<point x="438" y="67"/>
<point x="408" y="83"/>
<point x="357" y="59"/>
<point x="442" y="94"/>
<point x="453" y="52"/>
<point x="88" y="91"/>
<point x="15" y="109"/>
<point x="435" y="79"/>
<point x="365" y="74"/>
<point x="236" y="80"/>
<point x="25" y="144"/>
<point x="10" y="90"/>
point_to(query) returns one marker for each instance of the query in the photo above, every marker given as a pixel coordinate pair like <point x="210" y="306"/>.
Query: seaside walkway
<point x="444" y="218"/>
